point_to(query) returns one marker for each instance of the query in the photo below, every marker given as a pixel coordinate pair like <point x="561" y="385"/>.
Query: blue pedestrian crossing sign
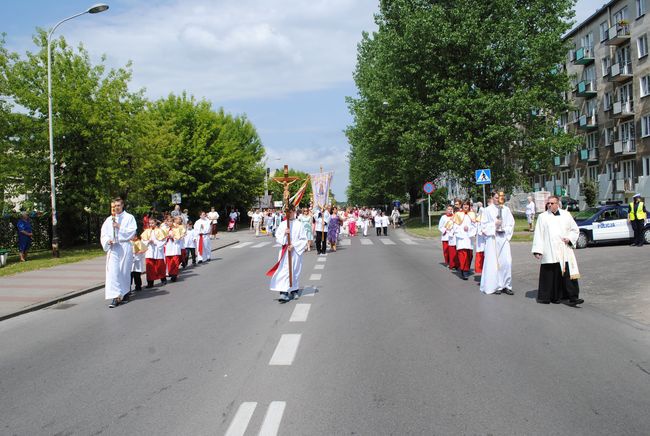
<point x="483" y="177"/>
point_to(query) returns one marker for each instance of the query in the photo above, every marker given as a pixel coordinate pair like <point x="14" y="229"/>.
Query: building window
<point x="607" y="101"/>
<point x="605" y="64"/>
<point x="645" y="85"/>
<point x="608" y="133"/>
<point x="640" y="8"/>
<point x="609" y="171"/>
<point x="628" y="169"/>
<point x="646" y="166"/>
<point x="604" y="27"/>
<point x="564" y="176"/>
<point x="645" y="126"/>
<point x="627" y="131"/>
<point x="621" y="15"/>
<point x="592" y="173"/>
<point x="592" y="140"/>
<point x="642" y="45"/>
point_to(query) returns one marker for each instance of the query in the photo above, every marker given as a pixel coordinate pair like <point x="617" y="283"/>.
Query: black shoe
<point x="149" y="285"/>
<point x="138" y="289"/>
<point x="507" y="291"/>
<point x="126" y="298"/>
<point x="163" y="282"/>
<point x="295" y="295"/>
<point x="464" y="275"/>
<point x="284" y="297"/>
<point x="114" y="303"/>
<point x="173" y="278"/>
<point x="574" y="303"/>
<point x="543" y="302"/>
<point x="555" y="301"/>
<point x="497" y="292"/>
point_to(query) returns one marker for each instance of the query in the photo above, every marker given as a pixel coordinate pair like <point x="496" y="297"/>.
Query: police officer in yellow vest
<point x="637" y="218"/>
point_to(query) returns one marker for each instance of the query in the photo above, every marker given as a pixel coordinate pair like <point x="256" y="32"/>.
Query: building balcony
<point x="562" y="161"/>
<point x="620" y="73"/>
<point x="593" y="155"/>
<point x="625" y="147"/>
<point x="624" y="185"/>
<point x="618" y="34"/>
<point x="586" y="89"/>
<point x="623" y="109"/>
<point x="588" y="123"/>
<point x="584" y="56"/>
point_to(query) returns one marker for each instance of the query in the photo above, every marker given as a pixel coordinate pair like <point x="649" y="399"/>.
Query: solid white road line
<point x="387" y="242"/>
<point x="315" y="277"/>
<point x="242" y="245"/>
<point x="271" y="423"/>
<point x="286" y="349"/>
<point x="408" y="241"/>
<point x="240" y="422"/>
<point x="366" y="242"/>
<point x="300" y="313"/>
<point x="319" y="266"/>
<point x="261" y="244"/>
<point x="345" y="242"/>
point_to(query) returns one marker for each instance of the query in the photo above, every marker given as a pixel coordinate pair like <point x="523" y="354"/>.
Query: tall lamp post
<point x="92" y="10"/>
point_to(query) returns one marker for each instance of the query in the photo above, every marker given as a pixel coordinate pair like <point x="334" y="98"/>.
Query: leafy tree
<point x="277" y="189"/>
<point x="449" y="87"/>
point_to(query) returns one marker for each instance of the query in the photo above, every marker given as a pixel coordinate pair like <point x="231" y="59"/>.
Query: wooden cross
<point x="287" y="180"/>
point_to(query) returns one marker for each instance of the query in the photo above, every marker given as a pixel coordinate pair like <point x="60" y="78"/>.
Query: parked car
<point x="606" y="223"/>
<point x="570" y="204"/>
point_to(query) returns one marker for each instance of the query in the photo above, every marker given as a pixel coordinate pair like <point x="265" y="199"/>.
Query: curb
<point x="74" y="294"/>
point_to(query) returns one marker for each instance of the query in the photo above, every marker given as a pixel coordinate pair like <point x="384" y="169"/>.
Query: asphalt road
<point x="384" y="341"/>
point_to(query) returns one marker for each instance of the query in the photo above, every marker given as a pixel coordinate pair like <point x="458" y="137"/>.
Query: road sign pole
<point x="429" y="210"/>
<point x="484" y="202"/>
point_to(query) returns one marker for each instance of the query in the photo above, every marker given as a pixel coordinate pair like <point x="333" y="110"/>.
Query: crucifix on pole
<point x="287" y="180"/>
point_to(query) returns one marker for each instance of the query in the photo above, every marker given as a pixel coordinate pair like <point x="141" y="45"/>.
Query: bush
<point x="590" y="191"/>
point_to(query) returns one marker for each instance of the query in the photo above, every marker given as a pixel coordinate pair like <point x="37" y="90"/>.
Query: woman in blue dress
<point x="24" y="235"/>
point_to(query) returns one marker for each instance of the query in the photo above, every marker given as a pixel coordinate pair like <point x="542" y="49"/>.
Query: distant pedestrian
<point x="213" y="216"/>
<point x="385" y="222"/>
<point x="25" y="234"/>
<point x="637" y="216"/>
<point x="395" y="217"/>
<point x="530" y="213"/>
<point x="117" y="232"/>
<point x="333" y="228"/>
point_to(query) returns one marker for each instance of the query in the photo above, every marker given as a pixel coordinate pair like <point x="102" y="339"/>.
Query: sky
<point x="285" y="64"/>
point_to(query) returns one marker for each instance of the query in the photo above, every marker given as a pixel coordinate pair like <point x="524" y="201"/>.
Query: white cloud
<point x="225" y="50"/>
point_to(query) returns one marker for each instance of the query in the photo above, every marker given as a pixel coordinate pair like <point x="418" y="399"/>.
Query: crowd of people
<point x="483" y="234"/>
<point x="165" y="246"/>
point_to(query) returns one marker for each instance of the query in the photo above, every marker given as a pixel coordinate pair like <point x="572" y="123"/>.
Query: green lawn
<point x="415" y="227"/>
<point x="44" y="259"/>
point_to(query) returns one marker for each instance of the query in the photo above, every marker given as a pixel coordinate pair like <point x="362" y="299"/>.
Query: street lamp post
<point x="92" y="10"/>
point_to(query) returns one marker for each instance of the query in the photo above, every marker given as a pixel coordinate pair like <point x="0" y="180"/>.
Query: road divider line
<point x="242" y="245"/>
<point x="315" y="277"/>
<point x="300" y="313"/>
<point x="286" y="350"/>
<point x="319" y="266"/>
<point x="272" y="419"/>
<point x="241" y="420"/>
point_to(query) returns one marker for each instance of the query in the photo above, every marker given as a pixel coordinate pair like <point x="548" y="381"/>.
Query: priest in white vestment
<point x="556" y="234"/>
<point x="498" y="225"/>
<point x="116" y="234"/>
<point x="280" y="272"/>
<point x="202" y="227"/>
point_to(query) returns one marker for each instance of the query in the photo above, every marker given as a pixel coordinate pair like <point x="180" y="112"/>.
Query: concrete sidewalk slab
<point x="33" y="290"/>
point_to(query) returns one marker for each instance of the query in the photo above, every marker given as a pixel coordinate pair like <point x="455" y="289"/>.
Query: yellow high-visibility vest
<point x="639" y="214"/>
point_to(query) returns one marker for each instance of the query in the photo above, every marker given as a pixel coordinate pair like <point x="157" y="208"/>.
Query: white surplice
<point x="280" y="279"/>
<point x="497" y="264"/>
<point x="119" y="254"/>
<point x="549" y="231"/>
<point x="464" y="238"/>
<point x="202" y="227"/>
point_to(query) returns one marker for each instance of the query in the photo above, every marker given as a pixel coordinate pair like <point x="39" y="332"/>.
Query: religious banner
<point x="320" y="187"/>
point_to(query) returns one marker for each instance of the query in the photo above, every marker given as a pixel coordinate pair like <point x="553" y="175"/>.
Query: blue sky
<point x="286" y="64"/>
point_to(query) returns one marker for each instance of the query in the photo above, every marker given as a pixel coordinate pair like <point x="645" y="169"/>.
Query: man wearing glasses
<point x="556" y="233"/>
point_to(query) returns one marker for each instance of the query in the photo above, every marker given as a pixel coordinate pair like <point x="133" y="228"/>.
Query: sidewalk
<point x="33" y="290"/>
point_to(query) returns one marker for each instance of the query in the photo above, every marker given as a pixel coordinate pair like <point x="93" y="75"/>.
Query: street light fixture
<point x="92" y="10"/>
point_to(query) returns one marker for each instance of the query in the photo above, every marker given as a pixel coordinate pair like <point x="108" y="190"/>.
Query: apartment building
<point x="611" y="90"/>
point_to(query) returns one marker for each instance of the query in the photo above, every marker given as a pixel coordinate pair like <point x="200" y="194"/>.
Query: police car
<point x="606" y="223"/>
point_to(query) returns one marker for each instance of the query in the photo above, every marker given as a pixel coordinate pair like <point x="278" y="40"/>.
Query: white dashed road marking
<point x="240" y="422"/>
<point x="321" y="259"/>
<point x="319" y="266"/>
<point x="286" y="350"/>
<point x="300" y="313"/>
<point x="315" y="277"/>
<point x="272" y="419"/>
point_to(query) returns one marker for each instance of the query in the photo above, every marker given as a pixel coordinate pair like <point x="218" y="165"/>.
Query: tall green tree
<point x="276" y="190"/>
<point x="449" y="87"/>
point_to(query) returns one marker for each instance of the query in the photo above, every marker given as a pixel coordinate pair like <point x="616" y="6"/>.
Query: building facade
<point x="610" y="74"/>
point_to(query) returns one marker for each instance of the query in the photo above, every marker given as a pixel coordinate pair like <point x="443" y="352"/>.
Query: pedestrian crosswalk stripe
<point x="321" y="259"/>
<point x="241" y="420"/>
<point x="271" y="423"/>
<point x="319" y="266"/>
<point x="408" y="241"/>
<point x="261" y="244"/>
<point x="366" y="242"/>
<point x="286" y="350"/>
<point x="345" y="242"/>
<point x="241" y="245"/>
<point x="387" y="242"/>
